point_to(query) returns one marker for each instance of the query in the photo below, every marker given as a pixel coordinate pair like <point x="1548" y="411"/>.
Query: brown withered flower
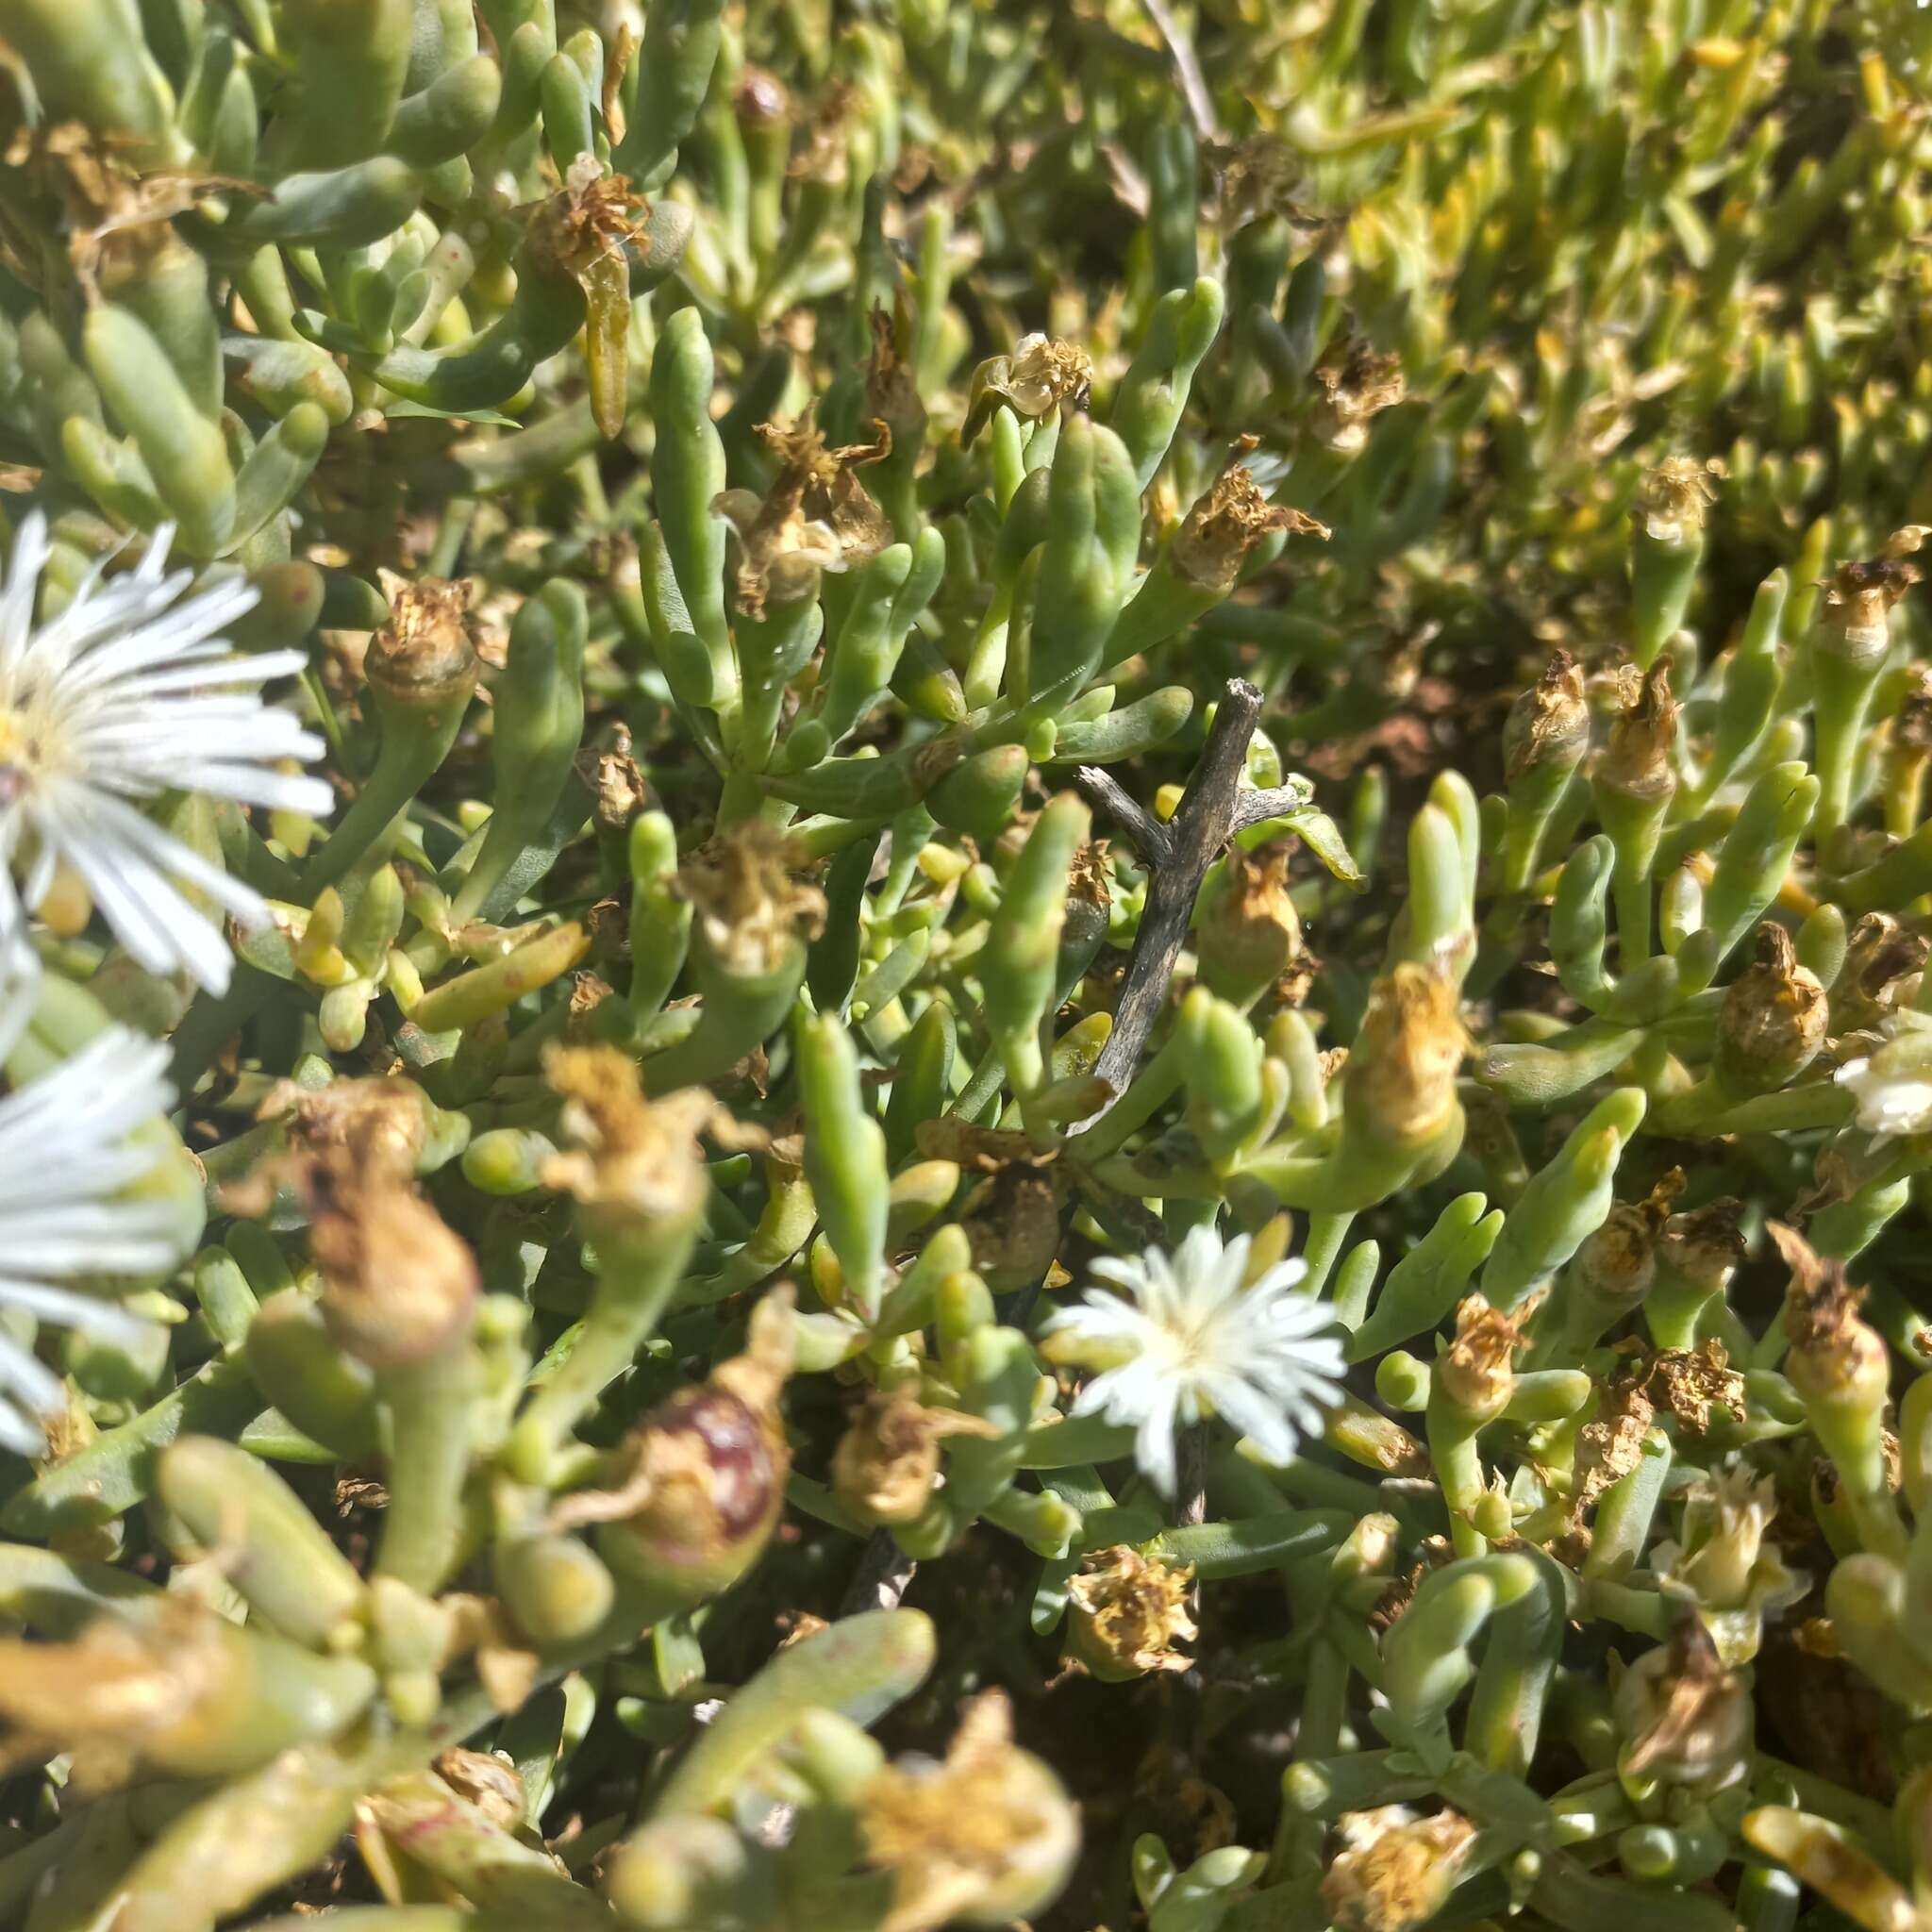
<point x="750" y="903"/>
<point x="1774" y="1017"/>
<point x="1012" y="1220"/>
<point x="1881" y="964"/>
<point x="1223" y="526"/>
<point x="1618" y="1261"/>
<point x="1401" y="1069"/>
<point x="1859" y="598"/>
<point x="886" y="1464"/>
<point x="986" y="1837"/>
<point x="1041" y="375"/>
<point x="1126" y="1612"/>
<point x="816" y="516"/>
<point x="1693" y="1381"/>
<point x="1356" y="384"/>
<point x="634" y="1165"/>
<point x="1394" y="1871"/>
<point x="485" y="1779"/>
<point x="1674" y="498"/>
<point x="700" y="1482"/>
<point x="1685" y="1718"/>
<point x="615" y="781"/>
<point x="1835" y="1355"/>
<point x="589" y="221"/>
<point x="1705" y="1245"/>
<point x="1478" y="1371"/>
<point x="398" y="1286"/>
<point x="426" y="655"/>
<point x="1610" y="1444"/>
<point x="1548" y="726"/>
<point x="1636" y="760"/>
<point x="891" y="385"/>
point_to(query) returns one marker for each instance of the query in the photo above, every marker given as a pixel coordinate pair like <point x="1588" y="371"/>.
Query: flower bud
<point x="1223" y="526"/>
<point x="1686" y="1720"/>
<point x="886" y="1464"/>
<point x="1395" y="1871"/>
<point x="1835" y="1357"/>
<point x="986" y="1837"/>
<point x="1124" y="1612"/>
<point x="1401" y="1069"/>
<point x="425" y="656"/>
<point x="1773" y="1020"/>
<point x="1724" y="1566"/>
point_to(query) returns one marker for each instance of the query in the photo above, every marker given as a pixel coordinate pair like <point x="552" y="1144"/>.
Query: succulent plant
<point x="964" y="963"/>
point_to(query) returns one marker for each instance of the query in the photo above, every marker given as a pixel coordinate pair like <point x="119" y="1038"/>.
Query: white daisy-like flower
<point x="1892" y="1087"/>
<point x="65" y="1154"/>
<point x="131" y="692"/>
<point x="1184" y="1338"/>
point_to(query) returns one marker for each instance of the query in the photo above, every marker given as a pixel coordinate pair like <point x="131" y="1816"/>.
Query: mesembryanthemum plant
<point x="963" y="967"/>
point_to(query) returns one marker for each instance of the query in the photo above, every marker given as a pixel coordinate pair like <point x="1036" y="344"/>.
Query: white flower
<point x="130" y="693"/>
<point x="65" y="1154"/>
<point x="1184" y="1339"/>
<point x="1892" y="1086"/>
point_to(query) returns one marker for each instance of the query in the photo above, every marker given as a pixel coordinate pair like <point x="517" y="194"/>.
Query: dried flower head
<point x="1412" y="1042"/>
<point x="589" y="221"/>
<point x="886" y="1464"/>
<point x="1477" y="1370"/>
<point x="1357" y="383"/>
<point x="1705" y="1245"/>
<point x="815" y="517"/>
<point x="986" y="1837"/>
<point x="1672" y="499"/>
<point x="1774" y="1017"/>
<point x="1549" y="725"/>
<point x="751" y="905"/>
<point x="635" y="1165"/>
<point x="1223" y="526"/>
<point x="1617" y="1262"/>
<point x="1394" y="1871"/>
<point x="1638" y="759"/>
<point x="1835" y="1355"/>
<point x="1125" y="1613"/>
<point x="1860" y="597"/>
<point x="1685" y="1718"/>
<point x="426" y="655"/>
<point x="1693" y="1381"/>
<point x="398" y="1286"/>
<point x="1042" y="374"/>
<point x="1610" y="1444"/>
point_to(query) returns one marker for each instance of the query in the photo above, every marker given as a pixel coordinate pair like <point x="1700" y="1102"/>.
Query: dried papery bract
<point x="1685" y="1718"/>
<point x="1478" y="1371"/>
<point x="1773" y="1020"/>
<point x="1043" y="374"/>
<point x="1356" y="384"/>
<point x="1403" y="1068"/>
<point x="1548" y="726"/>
